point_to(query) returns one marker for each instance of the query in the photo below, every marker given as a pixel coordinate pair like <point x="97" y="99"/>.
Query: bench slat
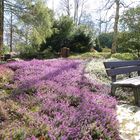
<point x="135" y="81"/>
<point x="121" y="64"/>
<point x="125" y="70"/>
<point x="123" y="67"/>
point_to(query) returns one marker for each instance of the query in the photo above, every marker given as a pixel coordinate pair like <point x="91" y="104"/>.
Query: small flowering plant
<point x="56" y="101"/>
<point x="6" y="75"/>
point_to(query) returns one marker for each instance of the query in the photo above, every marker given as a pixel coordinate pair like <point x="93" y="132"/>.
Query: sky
<point x="91" y="7"/>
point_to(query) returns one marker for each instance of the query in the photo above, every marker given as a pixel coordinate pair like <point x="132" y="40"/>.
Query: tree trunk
<point x="76" y="8"/>
<point x="11" y="33"/>
<point x="100" y="25"/>
<point x="1" y="25"/>
<point x="114" y="44"/>
<point x="138" y="53"/>
<point x="68" y="7"/>
<point x="81" y="12"/>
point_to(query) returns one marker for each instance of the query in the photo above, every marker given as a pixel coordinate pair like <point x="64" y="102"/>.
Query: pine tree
<point x="1" y="25"/>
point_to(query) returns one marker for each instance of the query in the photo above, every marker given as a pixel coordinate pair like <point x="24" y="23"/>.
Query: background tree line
<point x="34" y="31"/>
<point x="128" y="39"/>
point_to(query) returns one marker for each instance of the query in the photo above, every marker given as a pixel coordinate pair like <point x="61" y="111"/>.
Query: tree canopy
<point x="130" y="39"/>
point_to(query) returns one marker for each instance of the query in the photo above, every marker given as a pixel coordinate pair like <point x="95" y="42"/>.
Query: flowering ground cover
<point x="53" y="100"/>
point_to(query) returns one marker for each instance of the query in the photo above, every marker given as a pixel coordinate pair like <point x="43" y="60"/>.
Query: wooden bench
<point x="125" y="67"/>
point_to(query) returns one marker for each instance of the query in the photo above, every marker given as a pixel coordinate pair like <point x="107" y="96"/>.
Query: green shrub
<point x="66" y="34"/>
<point x="20" y="135"/>
<point x="6" y="75"/>
<point x="63" y="28"/>
<point x="105" y="40"/>
<point x="48" y="54"/>
<point x="30" y="52"/>
<point x="5" y="49"/>
<point x="79" y="48"/>
<point x="26" y="51"/>
<point x="124" y="56"/>
<point x="91" y="55"/>
<point x="106" y="50"/>
<point x="83" y="39"/>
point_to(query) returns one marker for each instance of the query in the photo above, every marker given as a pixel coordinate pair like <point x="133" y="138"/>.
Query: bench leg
<point x="137" y="95"/>
<point x="113" y="89"/>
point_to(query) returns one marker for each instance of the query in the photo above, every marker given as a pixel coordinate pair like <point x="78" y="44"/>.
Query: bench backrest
<point x="121" y="67"/>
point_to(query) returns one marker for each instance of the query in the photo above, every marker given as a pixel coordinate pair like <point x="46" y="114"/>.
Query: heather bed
<point x="53" y="100"/>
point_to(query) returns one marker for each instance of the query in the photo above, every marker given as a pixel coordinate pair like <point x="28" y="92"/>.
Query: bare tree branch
<point x="65" y="5"/>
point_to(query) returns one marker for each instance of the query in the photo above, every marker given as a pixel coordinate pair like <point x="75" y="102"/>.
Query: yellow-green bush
<point x="124" y="56"/>
<point x="106" y="50"/>
<point x="6" y="75"/>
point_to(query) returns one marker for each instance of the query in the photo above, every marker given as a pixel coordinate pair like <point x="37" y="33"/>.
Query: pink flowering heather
<point x="58" y="103"/>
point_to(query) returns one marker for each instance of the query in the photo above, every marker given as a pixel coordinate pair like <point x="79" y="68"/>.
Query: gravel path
<point x="129" y="119"/>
